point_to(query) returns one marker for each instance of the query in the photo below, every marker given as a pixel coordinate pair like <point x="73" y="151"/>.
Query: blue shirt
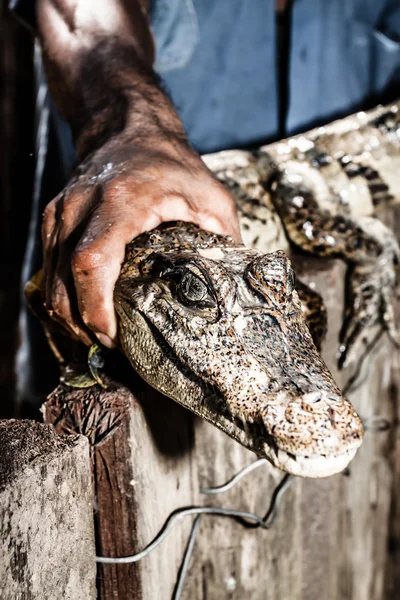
<point x="218" y="61"/>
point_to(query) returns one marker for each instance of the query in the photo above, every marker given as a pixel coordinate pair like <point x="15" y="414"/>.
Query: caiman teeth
<point x="312" y="466"/>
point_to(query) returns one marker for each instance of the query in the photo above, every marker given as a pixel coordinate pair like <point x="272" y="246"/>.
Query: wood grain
<point x="46" y="525"/>
<point x="143" y="470"/>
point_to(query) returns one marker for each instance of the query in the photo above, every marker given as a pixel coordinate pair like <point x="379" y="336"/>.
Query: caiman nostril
<point x="332" y="398"/>
<point x="320" y="401"/>
<point x="312" y="398"/>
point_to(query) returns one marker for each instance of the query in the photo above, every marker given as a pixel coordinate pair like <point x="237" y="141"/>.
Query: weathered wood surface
<point x="330" y="540"/>
<point x="345" y="518"/>
<point x="144" y="468"/>
<point x="392" y="564"/>
<point x="46" y="524"/>
<point x="392" y="559"/>
<point x="230" y="561"/>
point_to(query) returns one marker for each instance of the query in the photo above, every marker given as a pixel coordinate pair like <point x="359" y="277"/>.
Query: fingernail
<point x="105" y="340"/>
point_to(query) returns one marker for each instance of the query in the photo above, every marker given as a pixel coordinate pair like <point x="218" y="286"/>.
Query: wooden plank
<point x="365" y="497"/>
<point x="392" y="566"/>
<point x="46" y="515"/>
<point x="142" y="459"/>
<point x="320" y="502"/>
<point x="345" y="519"/>
<point x="392" y="563"/>
<point x="230" y="561"/>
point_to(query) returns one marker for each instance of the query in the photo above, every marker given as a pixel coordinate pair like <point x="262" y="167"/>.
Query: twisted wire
<point x="247" y="519"/>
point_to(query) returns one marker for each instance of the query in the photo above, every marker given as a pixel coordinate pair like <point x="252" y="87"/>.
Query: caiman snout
<point x="316" y="434"/>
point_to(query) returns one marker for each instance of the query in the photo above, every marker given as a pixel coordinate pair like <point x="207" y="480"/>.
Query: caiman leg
<point x="368" y="247"/>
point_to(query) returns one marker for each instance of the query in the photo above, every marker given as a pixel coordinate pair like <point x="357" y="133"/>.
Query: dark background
<point x="16" y="179"/>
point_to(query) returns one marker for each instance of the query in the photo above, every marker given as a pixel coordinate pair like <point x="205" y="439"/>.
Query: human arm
<point x="136" y="168"/>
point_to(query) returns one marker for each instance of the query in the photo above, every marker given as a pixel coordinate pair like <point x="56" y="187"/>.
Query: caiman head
<point x="219" y="328"/>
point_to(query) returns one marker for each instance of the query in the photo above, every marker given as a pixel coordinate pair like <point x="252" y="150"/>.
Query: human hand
<point x="119" y="191"/>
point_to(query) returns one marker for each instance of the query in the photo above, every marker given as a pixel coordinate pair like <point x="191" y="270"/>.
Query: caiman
<point x="219" y="327"/>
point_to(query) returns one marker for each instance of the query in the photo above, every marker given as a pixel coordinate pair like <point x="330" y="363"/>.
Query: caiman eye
<point x="290" y="281"/>
<point x="192" y="288"/>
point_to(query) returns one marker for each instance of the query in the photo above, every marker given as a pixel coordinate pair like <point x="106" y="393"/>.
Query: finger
<point x="206" y="201"/>
<point x="96" y="264"/>
<point x="76" y="211"/>
<point x="218" y="214"/>
<point x="95" y="270"/>
<point x="225" y="211"/>
<point x="99" y="255"/>
<point x="63" y="313"/>
<point x="216" y="209"/>
<point x="170" y="206"/>
<point x="228" y="225"/>
<point x="49" y="241"/>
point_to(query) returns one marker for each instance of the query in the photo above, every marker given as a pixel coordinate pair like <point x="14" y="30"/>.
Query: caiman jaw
<point x="313" y="466"/>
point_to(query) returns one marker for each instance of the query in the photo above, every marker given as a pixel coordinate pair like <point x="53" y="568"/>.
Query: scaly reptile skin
<point x="219" y="327"/>
<point x="322" y="191"/>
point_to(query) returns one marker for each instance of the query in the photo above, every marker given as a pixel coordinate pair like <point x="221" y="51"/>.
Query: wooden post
<point x="344" y="519"/>
<point x="143" y="468"/>
<point x="46" y="515"/>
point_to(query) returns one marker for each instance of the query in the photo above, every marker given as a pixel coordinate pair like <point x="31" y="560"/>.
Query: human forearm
<point x="136" y="169"/>
<point x="98" y="58"/>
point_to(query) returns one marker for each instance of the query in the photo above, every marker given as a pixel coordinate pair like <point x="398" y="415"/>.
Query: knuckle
<point x="85" y="258"/>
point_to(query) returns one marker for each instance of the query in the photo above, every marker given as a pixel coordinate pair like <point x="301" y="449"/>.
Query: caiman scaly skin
<point x="323" y="192"/>
<point x="219" y="328"/>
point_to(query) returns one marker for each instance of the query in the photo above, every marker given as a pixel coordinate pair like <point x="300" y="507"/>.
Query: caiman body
<point x="238" y="351"/>
<point x="323" y="192"/>
<point x="219" y="327"/>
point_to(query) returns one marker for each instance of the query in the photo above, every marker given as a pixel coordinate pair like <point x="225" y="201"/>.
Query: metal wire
<point x="247" y="518"/>
<point x="186" y="560"/>
<point x="232" y="482"/>
<point x="376" y="424"/>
